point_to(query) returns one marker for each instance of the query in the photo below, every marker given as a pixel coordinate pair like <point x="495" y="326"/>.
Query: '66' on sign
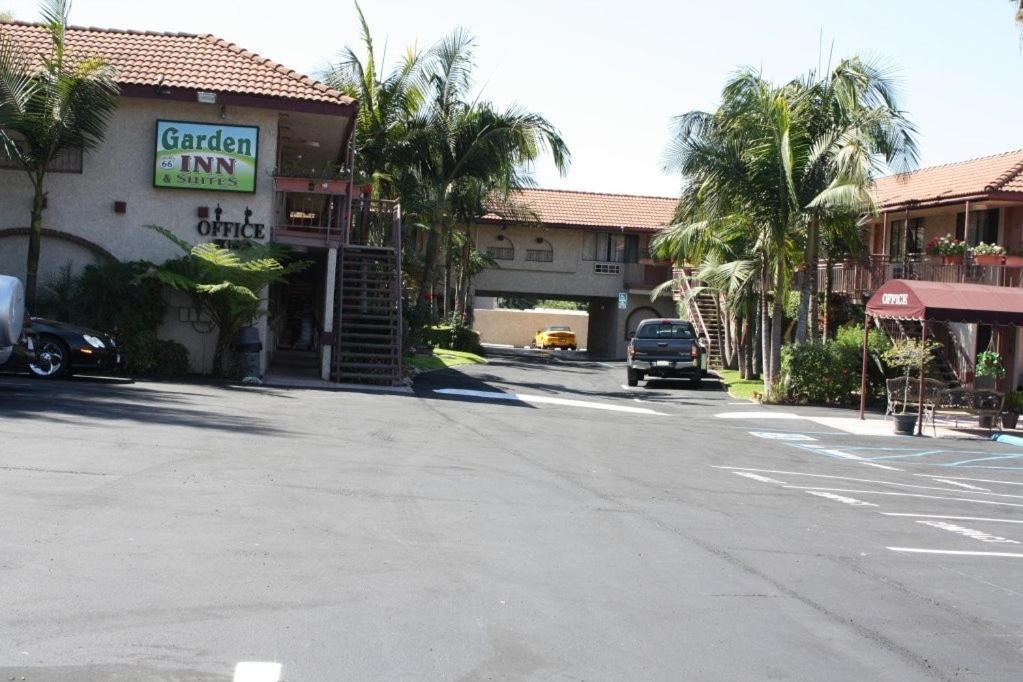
<point x="206" y="156"/>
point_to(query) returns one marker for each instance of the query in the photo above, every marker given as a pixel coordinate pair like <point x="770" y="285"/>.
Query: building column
<point x="328" y="313"/>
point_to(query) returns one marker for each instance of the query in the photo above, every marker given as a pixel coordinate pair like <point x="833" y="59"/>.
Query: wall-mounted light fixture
<point x="539" y="240"/>
<point x="203" y="212"/>
<point x="120" y="207"/>
<point x="500" y="237"/>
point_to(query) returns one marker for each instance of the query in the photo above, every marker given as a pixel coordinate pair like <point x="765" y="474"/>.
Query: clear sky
<point x="611" y="75"/>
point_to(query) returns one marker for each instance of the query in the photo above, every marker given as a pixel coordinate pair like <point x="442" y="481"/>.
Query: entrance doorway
<point x="295" y="318"/>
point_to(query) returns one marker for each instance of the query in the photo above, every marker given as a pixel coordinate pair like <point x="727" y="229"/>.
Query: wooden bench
<point x="979" y="402"/>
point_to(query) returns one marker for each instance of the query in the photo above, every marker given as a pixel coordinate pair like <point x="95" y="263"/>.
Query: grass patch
<point x="442" y="358"/>
<point x="740" y="388"/>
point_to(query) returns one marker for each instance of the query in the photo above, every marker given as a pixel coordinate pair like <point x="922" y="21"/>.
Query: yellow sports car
<point x="555" y="337"/>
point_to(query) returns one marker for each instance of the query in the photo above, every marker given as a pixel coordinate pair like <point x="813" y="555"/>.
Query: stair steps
<point x="368" y="346"/>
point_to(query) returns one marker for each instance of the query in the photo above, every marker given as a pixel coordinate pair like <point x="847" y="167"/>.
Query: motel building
<point x="215" y="142"/>
<point x="979" y="200"/>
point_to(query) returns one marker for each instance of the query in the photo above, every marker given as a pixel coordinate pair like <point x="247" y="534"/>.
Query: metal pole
<point x="863" y="368"/>
<point x="920" y="396"/>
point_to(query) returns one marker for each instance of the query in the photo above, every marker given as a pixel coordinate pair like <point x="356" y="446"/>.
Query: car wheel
<point x="632" y="376"/>
<point x="696" y="382"/>
<point x="52" y="359"/>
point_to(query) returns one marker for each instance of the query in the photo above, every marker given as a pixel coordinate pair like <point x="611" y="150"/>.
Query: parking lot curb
<point x="1005" y="438"/>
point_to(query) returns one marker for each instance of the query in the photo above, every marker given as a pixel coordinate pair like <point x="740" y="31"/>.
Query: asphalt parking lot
<point x="530" y="518"/>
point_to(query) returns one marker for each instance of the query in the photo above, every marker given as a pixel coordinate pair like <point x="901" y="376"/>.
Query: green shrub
<point x="114" y="298"/>
<point x="829" y="373"/>
<point x="152" y="357"/>
<point x="454" y="337"/>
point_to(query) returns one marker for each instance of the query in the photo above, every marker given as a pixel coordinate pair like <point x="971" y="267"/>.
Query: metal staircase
<point x="368" y="345"/>
<point x="703" y="312"/>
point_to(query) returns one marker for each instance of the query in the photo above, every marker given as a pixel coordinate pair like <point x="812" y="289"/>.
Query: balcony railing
<point x="859" y="278"/>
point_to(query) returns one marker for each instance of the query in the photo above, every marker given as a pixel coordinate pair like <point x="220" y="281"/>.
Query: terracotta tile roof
<point x="586" y="209"/>
<point x="182" y="60"/>
<point x="998" y="173"/>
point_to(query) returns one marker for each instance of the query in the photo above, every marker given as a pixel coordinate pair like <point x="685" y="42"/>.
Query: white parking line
<point x="885" y="492"/>
<point x="975" y="480"/>
<point x="782" y="435"/>
<point x="969" y="532"/>
<point x="968" y="486"/>
<point x="953" y="518"/>
<point x="252" y="671"/>
<point x="757" y="477"/>
<point x="856" y="458"/>
<point x="954" y="552"/>
<point x="867" y="480"/>
<point x="545" y="400"/>
<point x="841" y="498"/>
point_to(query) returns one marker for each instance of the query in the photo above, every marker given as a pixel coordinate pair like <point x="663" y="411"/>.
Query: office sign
<point x="205" y="156"/>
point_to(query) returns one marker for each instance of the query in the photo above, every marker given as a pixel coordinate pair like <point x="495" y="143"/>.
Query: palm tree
<point x="781" y="163"/>
<point x="855" y="129"/>
<point x="61" y="104"/>
<point x="386" y="105"/>
<point x="455" y="141"/>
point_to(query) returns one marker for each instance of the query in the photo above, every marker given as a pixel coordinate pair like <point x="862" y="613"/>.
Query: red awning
<point x="903" y="299"/>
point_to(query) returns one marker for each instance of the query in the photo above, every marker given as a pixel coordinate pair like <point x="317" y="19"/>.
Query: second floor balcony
<point x="860" y="278"/>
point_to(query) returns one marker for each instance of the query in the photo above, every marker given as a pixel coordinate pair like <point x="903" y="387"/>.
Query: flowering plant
<point x="983" y="249"/>
<point x="945" y="246"/>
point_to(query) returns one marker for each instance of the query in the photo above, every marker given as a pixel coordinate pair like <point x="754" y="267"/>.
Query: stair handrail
<point x="694" y="310"/>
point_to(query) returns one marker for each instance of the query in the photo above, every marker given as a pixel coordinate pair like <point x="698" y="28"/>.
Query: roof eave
<point x="336" y="108"/>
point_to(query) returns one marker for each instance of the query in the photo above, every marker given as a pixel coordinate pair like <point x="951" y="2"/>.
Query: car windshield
<point x="666" y="330"/>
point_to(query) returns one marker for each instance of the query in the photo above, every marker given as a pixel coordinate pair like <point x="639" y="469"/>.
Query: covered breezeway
<point x="608" y="324"/>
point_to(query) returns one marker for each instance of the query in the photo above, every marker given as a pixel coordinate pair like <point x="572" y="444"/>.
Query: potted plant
<point x="1011" y="408"/>
<point x="952" y="250"/>
<point x="1013" y="261"/>
<point x="988" y="254"/>
<point x="908" y="355"/>
<point x="988" y="369"/>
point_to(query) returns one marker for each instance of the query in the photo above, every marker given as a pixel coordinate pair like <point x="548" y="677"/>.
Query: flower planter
<point x="905" y="424"/>
<point x="989" y="259"/>
<point x="1009" y="420"/>
<point x="1014" y="261"/>
<point x="952" y="259"/>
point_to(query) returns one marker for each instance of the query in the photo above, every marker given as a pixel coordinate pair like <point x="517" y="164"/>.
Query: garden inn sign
<point x="204" y="156"/>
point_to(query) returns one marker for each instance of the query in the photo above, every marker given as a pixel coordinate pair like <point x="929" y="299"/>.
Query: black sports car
<point x="61" y="349"/>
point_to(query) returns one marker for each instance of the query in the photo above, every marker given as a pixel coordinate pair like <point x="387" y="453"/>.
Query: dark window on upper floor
<point x="983" y="227"/>
<point x="902" y="241"/>
<point x="66" y="161"/>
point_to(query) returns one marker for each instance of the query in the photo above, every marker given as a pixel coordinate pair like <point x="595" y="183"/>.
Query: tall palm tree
<point x="455" y="140"/>
<point x="386" y="104"/>
<point x="856" y="130"/>
<point x="62" y="103"/>
<point x="785" y="161"/>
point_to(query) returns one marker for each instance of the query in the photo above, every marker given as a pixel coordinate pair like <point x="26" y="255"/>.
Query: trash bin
<point x="248" y="346"/>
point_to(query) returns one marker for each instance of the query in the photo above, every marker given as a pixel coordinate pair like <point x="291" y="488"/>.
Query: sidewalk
<point x="848" y="420"/>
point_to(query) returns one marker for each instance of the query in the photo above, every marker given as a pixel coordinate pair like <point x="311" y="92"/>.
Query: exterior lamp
<point x="120" y="207"/>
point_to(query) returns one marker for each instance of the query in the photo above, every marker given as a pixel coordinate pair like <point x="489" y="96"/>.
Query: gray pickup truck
<point x="665" y="348"/>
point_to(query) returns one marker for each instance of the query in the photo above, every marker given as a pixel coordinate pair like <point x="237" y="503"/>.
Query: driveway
<point x="531" y="518"/>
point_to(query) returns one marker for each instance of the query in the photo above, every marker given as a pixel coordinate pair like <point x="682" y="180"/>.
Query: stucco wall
<point x="121" y="169"/>
<point x="518" y="327"/>
<point x="567" y="276"/>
